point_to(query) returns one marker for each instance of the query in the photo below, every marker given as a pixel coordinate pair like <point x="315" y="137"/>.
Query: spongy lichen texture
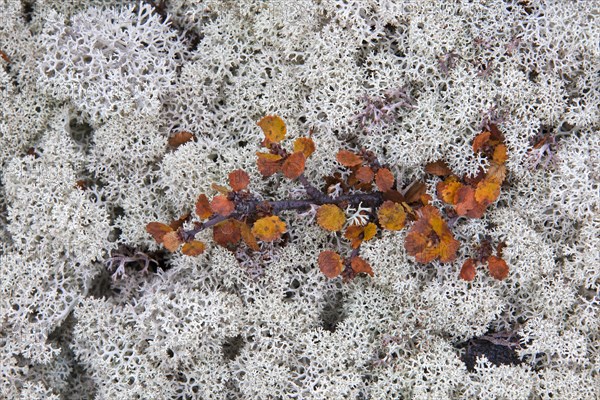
<point x="90" y="92"/>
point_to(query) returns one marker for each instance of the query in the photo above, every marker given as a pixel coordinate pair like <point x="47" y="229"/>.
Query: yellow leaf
<point x="391" y="216"/>
<point x="305" y="145"/>
<point x="193" y="248"/>
<point x="273" y="127"/>
<point x="330" y="217"/>
<point x="269" y="229"/>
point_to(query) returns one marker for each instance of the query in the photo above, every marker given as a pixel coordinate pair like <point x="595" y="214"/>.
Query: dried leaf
<point x="447" y="190"/>
<point x="178" y="223"/>
<point x="268" y="164"/>
<point x="358" y="234"/>
<point x="239" y="180"/>
<point x="293" y="166"/>
<point x="330" y="263"/>
<point x="248" y="237"/>
<point x="171" y="241"/>
<point x="498" y="267"/>
<point x="481" y="141"/>
<point x="415" y="192"/>
<point x="487" y="192"/>
<point x="438" y="168"/>
<point x="384" y="179"/>
<point x="4" y="56"/>
<point x="364" y="174"/>
<point x="430" y="238"/>
<point x="465" y="200"/>
<point x="305" y="145"/>
<point x="180" y="138"/>
<point x="227" y="233"/>
<point x="269" y="229"/>
<point x="330" y="217"/>
<point x="348" y="158"/>
<point x="203" y="210"/>
<point x="358" y="265"/>
<point x="273" y="127"/>
<point x="496" y="173"/>
<point x="391" y="216"/>
<point x="193" y="248"/>
<point x="158" y="230"/>
<point x="468" y="271"/>
<point x="219" y="188"/>
<point x="500" y="155"/>
<point x="222" y="205"/>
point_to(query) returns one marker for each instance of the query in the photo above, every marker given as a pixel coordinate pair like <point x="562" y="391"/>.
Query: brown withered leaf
<point x="273" y="127"/>
<point x="193" y="248"/>
<point x="203" y="210"/>
<point x="304" y="145"/>
<point x="180" y="138"/>
<point x="497" y="267"/>
<point x="222" y="205"/>
<point x="227" y="233"/>
<point x="330" y="217"/>
<point x="268" y="164"/>
<point x="239" y="180"/>
<point x="4" y="56"/>
<point x="391" y="216"/>
<point x="414" y="193"/>
<point x="158" y="230"/>
<point x="348" y="158"/>
<point x="438" y="168"/>
<point x="269" y="229"/>
<point x="178" y="223"/>
<point x="384" y="179"/>
<point x="330" y="263"/>
<point x="364" y="174"/>
<point x="358" y="265"/>
<point x="481" y="140"/>
<point x="358" y="234"/>
<point x="468" y="271"/>
<point x="430" y="238"/>
<point x="171" y="241"/>
<point x="293" y="166"/>
<point x="248" y="237"/>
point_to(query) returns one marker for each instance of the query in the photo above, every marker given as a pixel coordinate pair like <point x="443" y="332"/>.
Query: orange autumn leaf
<point x="348" y="158"/>
<point x="222" y="205"/>
<point x="481" y="141"/>
<point x="497" y="267"/>
<point x="496" y="172"/>
<point x="430" y="238"/>
<point x="268" y="164"/>
<point x="158" y="230"/>
<point x="248" y="237"/>
<point x="467" y="272"/>
<point x="465" y="200"/>
<point x="365" y="174"/>
<point x="171" y="241"/>
<point x="227" y="233"/>
<point x="268" y="229"/>
<point x="180" y="138"/>
<point x="304" y="145"/>
<point x="203" y="210"/>
<point x="500" y="155"/>
<point x="487" y="191"/>
<point x="391" y="216"/>
<point x="330" y="217"/>
<point x="438" y="168"/>
<point x="293" y="166"/>
<point x="273" y="127"/>
<point x="358" y="265"/>
<point x="239" y="180"/>
<point x="358" y="234"/>
<point x="447" y="190"/>
<point x="193" y="248"/>
<point x="384" y="179"/>
<point x="330" y="263"/>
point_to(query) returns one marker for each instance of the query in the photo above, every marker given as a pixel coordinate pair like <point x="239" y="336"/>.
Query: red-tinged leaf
<point x="193" y="248"/>
<point x="293" y="166"/>
<point x="178" y="223"/>
<point x="158" y="230"/>
<point x="238" y="180"/>
<point x="365" y="174"/>
<point x="269" y="229"/>
<point x="227" y="233"/>
<point x="438" y="168"/>
<point x="273" y="127"/>
<point x="248" y="237"/>
<point x="180" y="138"/>
<point x="481" y="141"/>
<point x="268" y="164"/>
<point x="498" y="267"/>
<point x="4" y="56"/>
<point x="358" y="265"/>
<point x="330" y="217"/>
<point x="384" y="179"/>
<point x="348" y="158"/>
<point x="468" y="271"/>
<point x="222" y="205"/>
<point x="330" y="263"/>
<point x="171" y="241"/>
<point x="304" y="145"/>
<point x="465" y="200"/>
<point x="203" y="210"/>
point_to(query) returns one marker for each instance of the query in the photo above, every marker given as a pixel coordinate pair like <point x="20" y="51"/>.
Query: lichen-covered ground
<point x="92" y="90"/>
